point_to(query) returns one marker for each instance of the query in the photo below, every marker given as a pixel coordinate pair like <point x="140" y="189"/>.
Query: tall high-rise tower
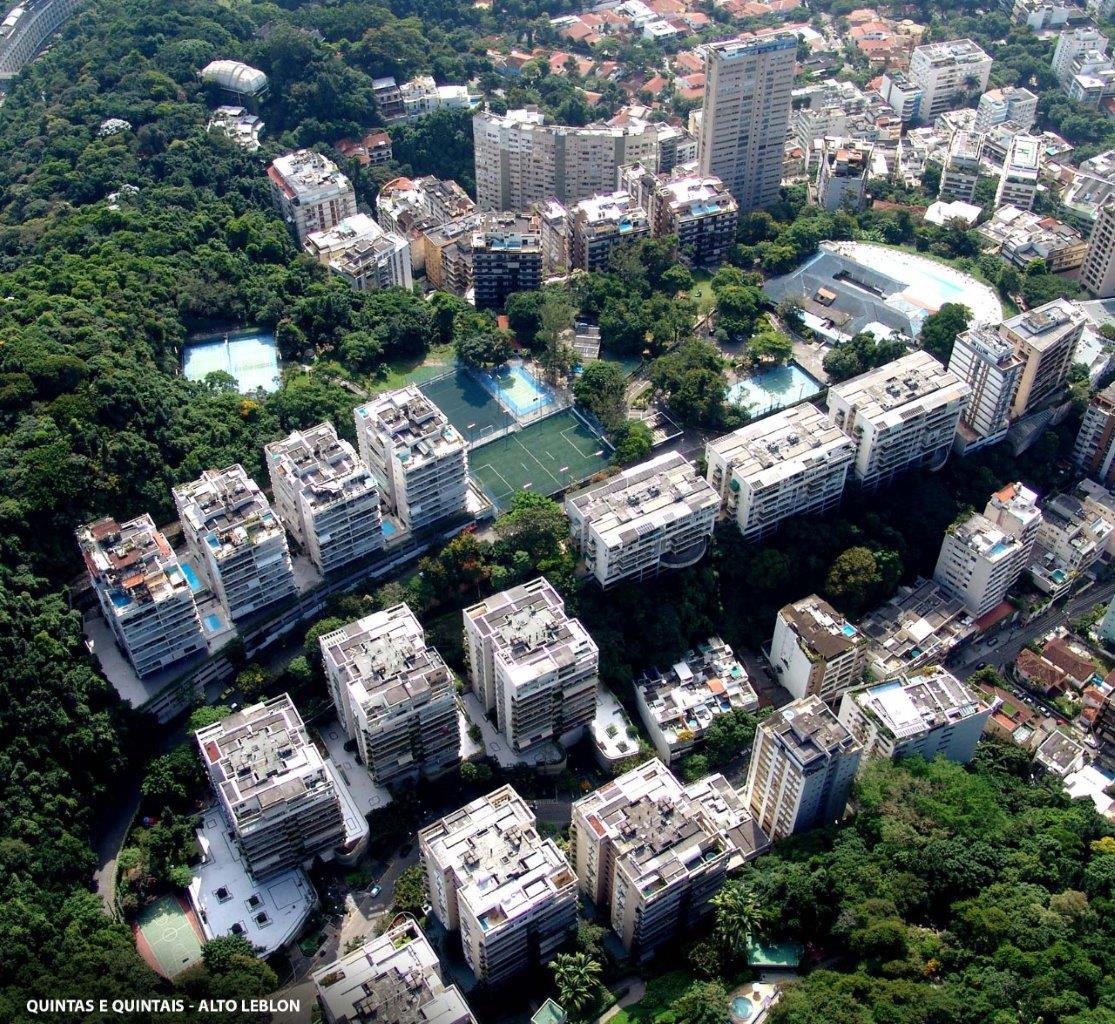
<point x="746" y="116"/>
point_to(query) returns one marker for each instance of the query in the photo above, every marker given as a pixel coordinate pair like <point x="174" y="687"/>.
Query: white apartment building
<point x="1014" y="509"/>
<point x="309" y="192"/>
<point x="793" y="463"/>
<point x="422" y="96"/>
<point x="1045" y="338"/>
<point x="902" y="95"/>
<point x="928" y="715"/>
<point x="901" y="415"/>
<point x="842" y="173"/>
<point x="988" y="364"/>
<point x="979" y="563"/>
<point x="801" y="771"/>
<point x="1018" y="182"/>
<point x="279" y="796"/>
<point x="746" y="114"/>
<point x="1011" y="103"/>
<point x="949" y="73"/>
<point x="657" y="515"/>
<point x="1022" y="237"/>
<point x="599" y="223"/>
<point x="701" y="212"/>
<point x="236" y="541"/>
<point x="418" y="458"/>
<point x="520" y="160"/>
<point x="815" y="651"/>
<point x="361" y="252"/>
<point x="510" y="893"/>
<point x="678" y="705"/>
<point x="1072" y="536"/>
<point x="325" y="496"/>
<point x="649" y="855"/>
<point x="1097" y="273"/>
<point x="143" y="593"/>
<point x="1094" y="451"/>
<point x="409" y="207"/>
<point x="392" y="977"/>
<point x="961" y="169"/>
<point x="1072" y="45"/>
<point x="532" y="665"/>
<point x="394" y="695"/>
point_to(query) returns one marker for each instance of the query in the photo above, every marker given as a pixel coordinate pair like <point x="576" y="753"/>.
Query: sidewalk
<point x="636" y="989"/>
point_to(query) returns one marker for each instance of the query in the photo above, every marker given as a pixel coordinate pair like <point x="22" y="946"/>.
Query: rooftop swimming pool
<point x="772" y="390"/>
<point x="252" y="357"/>
<point x="191" y="577"/>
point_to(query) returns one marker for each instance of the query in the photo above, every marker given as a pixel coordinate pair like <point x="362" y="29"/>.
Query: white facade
<point x="979" y="563"/>
<point x="1072" y="45"/>
<point x="1018" y="182"/>
<point x="901" y="415"/>
<point x="237" y="542"/>
<point x="394" y="695"/>
<point x="1011" y="103"/>
<point x="930" y="715"/>
<point x="391" y="977"/>
<point x="143" y="593"/>
<point x="948" y="73"/>
<point x="746" y="115"/>
<point x="989" y="366"/>
<point x="419" y="460"/>
<point x="657" y="515"/>
<point x="598" y="223"/>
<point x="361" y="252"/>
<point x="532" y="665"/>
<point x="325" y="496"/>
<point x="961" y="169"/>
<point x="510" y="893"/>
<point x="278" y="794"/>
<point x="792" y="463"/>
<point x="1097" y="273"/>
<point x="815" y="651"/>
<point x="801" y="771"/>
<point x="309" y="192"/>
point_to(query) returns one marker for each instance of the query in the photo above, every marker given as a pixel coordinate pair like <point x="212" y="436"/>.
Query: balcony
<point x="686" y="557"/>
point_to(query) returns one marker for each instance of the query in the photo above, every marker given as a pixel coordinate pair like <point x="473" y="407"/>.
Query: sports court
<point x="518" y="390"/>
<point x="166" y="937"/>
<point x="466" y="404"/>
<point x="546" y="457"/>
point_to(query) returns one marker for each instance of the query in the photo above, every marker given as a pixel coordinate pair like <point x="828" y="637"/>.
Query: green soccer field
<point x="467" y="405"/>
<point x="168" y="932"/>
<point x="548" y="456"/>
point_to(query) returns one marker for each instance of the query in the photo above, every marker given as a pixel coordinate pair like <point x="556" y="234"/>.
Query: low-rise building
<point x="361" y="252"/>
<point x="392" y="977"/>
<point x="279" y="796"/>
<point x="143" y="593"/>
<point x="930" y="715"/>
<point x="815" y="651"/>
<point x="510" y="893"/>
<point x="418" y="458"/>
<point x="422" y="95"/>
<point x="373" y="150"/>
<point x="648" y="855"/>
<point x="236" y="541"/>
<point x="792" y="463"/>
<point x="1072" y="537"/>
<point x="598" y="224"/>
<point x="801" y="771"/>
<point x="325" y="496"/>
<point x="1094" y="451"/>
<point x="901" y="416"/>
<point x="1021" y="238"/>
<point x="309" y="192"/>
<point x="241" y="126"/>
<point x="921" y="624"/>
<point x="678" y="705"/>
<point x="657" y="515"/>
<point x="394" y="695"/>
<point x="1060" y="755"/>
<point x="532" y="665"/>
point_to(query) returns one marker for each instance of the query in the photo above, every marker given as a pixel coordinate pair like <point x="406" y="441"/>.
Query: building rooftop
<point x="503" y="867"/>
<point x="808" y="731"/>
<point x="614" y="212"/>
<point x="981" y="536"/>
<point x="228" y="510"/>
<point x="133" y="563"/>
<point x="323" y="467"/>
<point x="1059" y="753"/>
<point x="418" y="429"/>
<point x="697" y="195"/>
<point x="508" y="232"/>
<point x="1045" y="326"/>
<point x="911" y="705"/>
<point x="783" y="445"/>
<point x="385" y="662"/>
<point x="235" y="76"/>
<point x="703" y="685"/>
<point x="1024" y="156"/>
<point x="394" y="977"/>
<point x="897" y="390"/>
<point x="821" y="630"/>
<point x="304" y="175"/>
<point x="649" y="495"/>
<point x="953" y="51"/>
<point x="530" y="633"/>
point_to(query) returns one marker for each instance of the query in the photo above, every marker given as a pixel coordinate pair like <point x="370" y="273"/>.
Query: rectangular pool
<point x="518" y="390"/>
<point x="191" y="577"/>
<point x="774" y="389"/>
<point x="252" y="357"/>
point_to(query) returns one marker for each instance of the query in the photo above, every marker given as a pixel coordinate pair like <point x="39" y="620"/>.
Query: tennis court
<point x="165" y="936"/>
<point x="545" y="457"/>
<point x="466" y="404"/>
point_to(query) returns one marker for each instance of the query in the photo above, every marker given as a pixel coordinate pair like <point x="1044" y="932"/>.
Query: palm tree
<point x="738" y="916"/>
<point x="577" y="977"/>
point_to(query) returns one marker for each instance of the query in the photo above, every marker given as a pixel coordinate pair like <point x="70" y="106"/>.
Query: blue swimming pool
<point x="213" y="622"/>
<point x="252" y="357"/>
<point x="388" y="528"/>
<point x="772" y="390"/>
<point x="191" y="577"/>
<point x="742" y="1008"/>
